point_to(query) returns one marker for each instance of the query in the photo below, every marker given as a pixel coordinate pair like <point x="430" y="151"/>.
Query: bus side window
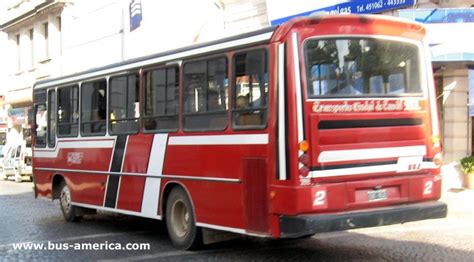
<point x="68" y="111"/>
<point x="93" y="108"/>
<point x="51" y="118"/>
<point x="123" y="104"/>
<point x="41" y="125"/>
<point x="161" y="100"/>
<point x="205" y="93"/>
<point x="250" y="90"/>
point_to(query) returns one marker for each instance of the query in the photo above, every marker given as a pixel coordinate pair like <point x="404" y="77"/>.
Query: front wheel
<point x="180" y="221"/>
<point x="68" y="210"/>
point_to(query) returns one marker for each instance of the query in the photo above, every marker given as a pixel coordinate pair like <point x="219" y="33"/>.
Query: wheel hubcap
<point x="180" y="218"/>
<point x="65" y="199"/>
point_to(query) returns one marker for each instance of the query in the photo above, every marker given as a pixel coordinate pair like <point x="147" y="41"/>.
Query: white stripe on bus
<point x="281" y="114"/>
<point x="53" y="153"/>
<point x="370" y="153"/>
<point x="223" y="228"/>
<point x="252" y="139"/>
<point x="151" y="193"/>
<point x="116" y="210"/>
<point x="299" y="98"/>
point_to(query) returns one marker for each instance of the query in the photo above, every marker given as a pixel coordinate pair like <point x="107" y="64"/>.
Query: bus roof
<point x="380" y="24"/>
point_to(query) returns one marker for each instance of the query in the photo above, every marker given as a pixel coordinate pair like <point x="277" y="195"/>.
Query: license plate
<point x="377" y="195"/>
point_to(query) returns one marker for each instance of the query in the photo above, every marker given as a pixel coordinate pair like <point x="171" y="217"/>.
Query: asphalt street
<point x="24" y="219"/>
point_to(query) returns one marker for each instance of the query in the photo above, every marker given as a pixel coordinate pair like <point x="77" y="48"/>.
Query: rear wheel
<point x="68" y="210"/>
<point x="180" y="221"/>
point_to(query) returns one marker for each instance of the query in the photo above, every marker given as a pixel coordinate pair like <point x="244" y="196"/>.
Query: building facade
<point x="32" y="51"/>
<point x="135" y="28"/>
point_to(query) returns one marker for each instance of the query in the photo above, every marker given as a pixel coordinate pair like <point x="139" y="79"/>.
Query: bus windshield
<point x="361" y="67"/>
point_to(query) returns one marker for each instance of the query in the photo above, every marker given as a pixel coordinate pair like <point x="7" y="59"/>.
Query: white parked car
<point x="17" y="162"/>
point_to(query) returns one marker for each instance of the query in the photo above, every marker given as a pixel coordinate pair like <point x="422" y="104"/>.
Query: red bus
<point x="320" y="124"/>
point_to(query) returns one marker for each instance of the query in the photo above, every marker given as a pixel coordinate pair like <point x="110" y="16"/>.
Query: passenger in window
<point x="99" y="111"/>
<point x="349" y="87"/>
<point x="245" y="117"/>
<point x="97" y="117"/>
<point x="102" y="112"/>
<point x="41" y="125"/>
<point x="75" y="116"/>
<point x="242" y="102"/>
<point x="150" y="123"/>
<point x="112" y="118"/>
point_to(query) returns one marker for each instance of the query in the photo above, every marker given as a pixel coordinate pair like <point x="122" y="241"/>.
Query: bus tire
<point x="65" y="203"/>
<point x="181" y="222"/>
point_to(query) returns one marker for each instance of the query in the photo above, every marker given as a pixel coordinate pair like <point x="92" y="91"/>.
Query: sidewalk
<point x="460" y="203"/>
<point x="460" y="200"/>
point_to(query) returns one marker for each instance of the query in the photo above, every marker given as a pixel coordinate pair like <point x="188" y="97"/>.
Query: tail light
<point x="304" y="171"/>
<point x="303" y="146"/>
<point x="304" y="158"/>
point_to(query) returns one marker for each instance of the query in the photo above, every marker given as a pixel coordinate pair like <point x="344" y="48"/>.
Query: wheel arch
<point x="167" y="188"/>
<point x="56" y="185"/>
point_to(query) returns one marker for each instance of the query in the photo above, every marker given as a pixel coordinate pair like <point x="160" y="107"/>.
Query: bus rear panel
<point x="364" y="140"/>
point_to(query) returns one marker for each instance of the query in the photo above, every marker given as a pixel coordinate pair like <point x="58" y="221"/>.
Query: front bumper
<point x="302" y="225"/>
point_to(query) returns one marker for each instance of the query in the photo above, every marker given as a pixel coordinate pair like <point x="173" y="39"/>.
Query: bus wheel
<point x="68" y="210"/>
<point x="180" y="221"/>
